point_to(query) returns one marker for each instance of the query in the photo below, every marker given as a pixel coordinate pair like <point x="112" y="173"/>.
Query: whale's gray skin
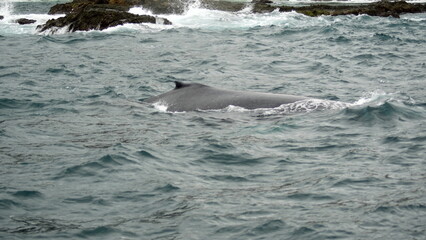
<point x="194" y="96"/>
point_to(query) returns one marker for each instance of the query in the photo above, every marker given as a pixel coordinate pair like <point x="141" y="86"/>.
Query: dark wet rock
<point x="89" y="16"/>
<point x="65" y="8"/>
<point x="263" y="6"/>
<point x="223" y="5"/>
<point x="1" y="17"/>
<point x="165" y="6"/>
<point x="382" y="8"/>
<point x="23" y="21"/>
<point x="155" y="6"/>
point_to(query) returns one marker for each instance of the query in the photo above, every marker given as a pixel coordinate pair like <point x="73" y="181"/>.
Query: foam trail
<point x="304" y="106"/>
<point x="375" y="98"/>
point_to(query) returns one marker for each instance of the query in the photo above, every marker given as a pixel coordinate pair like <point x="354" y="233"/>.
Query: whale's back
<point x="195" y="96"/>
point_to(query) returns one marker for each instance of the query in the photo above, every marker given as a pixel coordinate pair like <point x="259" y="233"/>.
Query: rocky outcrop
<point x="1" y="17"/>
<point x="23" y="21"/>
<point x="65" y="8"/>
<point x="96" y="15"/>
<point x="155" y="6"/>
<point x="83" y="15"/>
<point x="382" y="8"/>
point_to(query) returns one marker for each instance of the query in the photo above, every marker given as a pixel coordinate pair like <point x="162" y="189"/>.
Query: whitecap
<point x="376" y="97"/>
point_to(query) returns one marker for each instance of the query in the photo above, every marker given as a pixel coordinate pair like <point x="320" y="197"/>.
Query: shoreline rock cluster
<point x="84" y="15"/>
<point x="383" y="8"/>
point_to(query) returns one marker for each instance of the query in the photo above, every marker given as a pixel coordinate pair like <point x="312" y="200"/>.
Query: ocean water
<point x="83" y="157"/>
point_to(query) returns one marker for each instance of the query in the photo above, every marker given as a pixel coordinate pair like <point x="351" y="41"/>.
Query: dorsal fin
<point x="180" y="85"/>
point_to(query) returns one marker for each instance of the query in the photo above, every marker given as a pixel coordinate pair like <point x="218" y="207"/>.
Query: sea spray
<point x="6" y="9"/>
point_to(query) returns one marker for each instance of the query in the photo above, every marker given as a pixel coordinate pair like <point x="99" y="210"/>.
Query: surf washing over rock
<point x="84" y="15"/>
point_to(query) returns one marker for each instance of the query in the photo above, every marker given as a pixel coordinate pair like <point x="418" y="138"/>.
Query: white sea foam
<point x="160" y="106"/>
<point x="140" y="11"/>
<point x="6" y="9"/>
<point x="202" y="18"/>
<point x="8" y="24"/>
<point x="373" y="98"/>
<point x="304" y="106"/>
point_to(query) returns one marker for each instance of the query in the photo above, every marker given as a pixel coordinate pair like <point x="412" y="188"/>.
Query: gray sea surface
<point x="82" y="156"/>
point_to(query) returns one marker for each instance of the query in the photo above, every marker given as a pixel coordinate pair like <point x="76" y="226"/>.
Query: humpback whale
<point x="195" y="96"/>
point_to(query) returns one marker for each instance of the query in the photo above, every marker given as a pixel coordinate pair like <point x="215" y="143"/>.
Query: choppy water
<point x="83" y="157"/>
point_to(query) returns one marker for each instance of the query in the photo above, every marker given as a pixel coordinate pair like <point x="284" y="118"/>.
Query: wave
<point x="31" y="225"/>
<point x="8" y="103"/>
<point x="380" y="108"/>
<point x="387" y="112"/>
<point x="101" y="167"/>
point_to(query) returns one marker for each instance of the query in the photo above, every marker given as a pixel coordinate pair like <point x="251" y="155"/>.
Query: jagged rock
<point x="263" y="6"/>
<point x="156" y="6"/>
<point x="23" y="21"/>
<point x="97" y="17"/>
<point x="65" y="8"/>
<point x="165" y="6"/>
